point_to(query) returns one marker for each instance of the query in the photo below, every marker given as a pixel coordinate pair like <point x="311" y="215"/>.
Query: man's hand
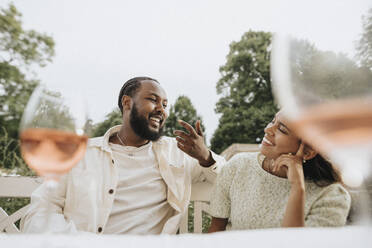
<point x="192" y="143"/>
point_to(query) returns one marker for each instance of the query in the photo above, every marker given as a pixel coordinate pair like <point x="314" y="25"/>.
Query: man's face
<point x="148" y="113"/>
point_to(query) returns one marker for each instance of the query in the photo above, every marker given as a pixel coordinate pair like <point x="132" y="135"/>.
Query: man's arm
<point x="192" y="143"/>
<point x="45" y="213"/>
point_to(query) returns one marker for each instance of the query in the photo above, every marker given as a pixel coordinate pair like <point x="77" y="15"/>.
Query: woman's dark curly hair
<point x="320" y="171"/>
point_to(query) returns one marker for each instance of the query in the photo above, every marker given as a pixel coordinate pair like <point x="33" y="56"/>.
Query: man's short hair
<point x="130" y="87"/>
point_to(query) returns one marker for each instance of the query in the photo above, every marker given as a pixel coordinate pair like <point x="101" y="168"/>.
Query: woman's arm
<point x="294" y="215"/>
<point x="220" y="202"/>
<point x="218" y="225"/>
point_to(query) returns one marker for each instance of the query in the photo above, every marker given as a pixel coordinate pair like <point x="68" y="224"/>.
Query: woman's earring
<point x="303" y="161"/>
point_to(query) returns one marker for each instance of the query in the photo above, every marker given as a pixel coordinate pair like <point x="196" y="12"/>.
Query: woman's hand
<point x="294" y="215"/>
<point x="293" y="165"/>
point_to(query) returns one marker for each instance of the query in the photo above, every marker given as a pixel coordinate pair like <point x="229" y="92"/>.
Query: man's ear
<point x="309" y="152"/>
<point x="126" y="102"/>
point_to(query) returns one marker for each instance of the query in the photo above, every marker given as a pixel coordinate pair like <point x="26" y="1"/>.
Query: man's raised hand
<point x="192" y="143"/>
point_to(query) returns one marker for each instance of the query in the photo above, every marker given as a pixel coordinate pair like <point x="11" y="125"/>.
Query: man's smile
<point x="156" y="120"/>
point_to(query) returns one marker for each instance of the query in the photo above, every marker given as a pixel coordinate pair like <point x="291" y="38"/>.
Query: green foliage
<point x="246" y="102"/>
<point x="19" y="50"/>
<point x="181" y="110"/>
<point x="326" y="75"/>
<point x="89" y="128"/>
<point x="364" y="45"/>
<point x="190" y="218"/>
<point x="247" y="105"/>
<point x="10" y="160"/>
<point x="11" y="205"/>
<point x="23" y="46"/>
<point x="15" y="91"/>
<point x="112" y="119"/>
<point x="12" y="163"/>
<point x="206" y="220"/>
<point x="51" y="110"/>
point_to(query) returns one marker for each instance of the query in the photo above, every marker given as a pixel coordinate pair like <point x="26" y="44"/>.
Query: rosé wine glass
<point x="322" y="79"/>
<point x="53" y="131"/>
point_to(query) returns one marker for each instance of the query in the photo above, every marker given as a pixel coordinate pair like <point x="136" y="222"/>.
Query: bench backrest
<point x="24" y="186"/>
<point x="14" y="186"/>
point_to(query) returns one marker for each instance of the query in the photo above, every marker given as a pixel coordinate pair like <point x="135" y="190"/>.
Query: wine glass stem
<point x="51" y="186"/>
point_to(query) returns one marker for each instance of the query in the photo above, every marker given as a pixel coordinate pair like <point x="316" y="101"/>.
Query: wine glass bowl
<point x="325" y="91"/>
<point x="52" y="131"/>
<point x="328" y="98"/>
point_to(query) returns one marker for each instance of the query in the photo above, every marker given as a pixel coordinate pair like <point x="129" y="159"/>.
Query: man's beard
<point x="140" y="126"/>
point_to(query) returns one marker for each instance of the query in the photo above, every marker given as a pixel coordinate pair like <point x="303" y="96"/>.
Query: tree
<point x="10" y="160"/>
<point x="318" y="75"/>
<point x="112" y="119"/>
<point x="181" y="110"/>
<point x="19" y="50"/>
<point x="246" y="102"/>
<point x="364" y="45"/>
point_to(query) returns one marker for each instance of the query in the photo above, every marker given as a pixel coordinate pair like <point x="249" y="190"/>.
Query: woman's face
<point x="279" y="139"/>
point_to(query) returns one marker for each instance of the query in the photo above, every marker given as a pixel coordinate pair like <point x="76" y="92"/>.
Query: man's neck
<point x="128" y="137"/>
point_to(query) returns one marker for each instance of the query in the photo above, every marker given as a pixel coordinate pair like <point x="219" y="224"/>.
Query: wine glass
<point x="52" y="131"/>
<point x="322" y="79"/>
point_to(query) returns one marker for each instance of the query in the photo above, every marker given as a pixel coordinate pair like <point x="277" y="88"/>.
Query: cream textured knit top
<point x="253" y="198"/>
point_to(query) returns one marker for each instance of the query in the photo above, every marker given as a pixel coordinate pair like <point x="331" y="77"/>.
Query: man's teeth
<point x="267" y="141"/>
<point x="155" y="119"/>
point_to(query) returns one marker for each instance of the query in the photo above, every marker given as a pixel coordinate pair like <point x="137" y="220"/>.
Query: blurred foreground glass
<point x="326" y="95"/>
<point x="52" y="131"/>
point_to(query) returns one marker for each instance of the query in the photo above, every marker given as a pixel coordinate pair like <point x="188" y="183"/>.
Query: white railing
<point x="23" y="187"/>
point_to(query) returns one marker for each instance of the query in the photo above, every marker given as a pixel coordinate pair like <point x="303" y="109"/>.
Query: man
<point x="131" y="180"/>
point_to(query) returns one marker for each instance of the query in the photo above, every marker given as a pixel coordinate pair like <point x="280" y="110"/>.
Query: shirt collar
<point x="104" y="142"/>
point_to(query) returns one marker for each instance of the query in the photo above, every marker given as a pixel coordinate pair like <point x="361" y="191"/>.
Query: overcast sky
<point x="101" y="44"/>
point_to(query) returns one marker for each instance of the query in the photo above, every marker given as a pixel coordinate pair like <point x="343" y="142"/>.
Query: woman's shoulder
<point x="243" y="158"/>
<point x="241" y="161"/>
<point x="333" y="191"/>
<point x="337" y="189"/>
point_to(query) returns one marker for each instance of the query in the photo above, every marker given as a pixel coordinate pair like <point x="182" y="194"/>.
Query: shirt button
<point x="111" y="191"/>
<point x="113" y="161"/>
<point x="99" y="229"/>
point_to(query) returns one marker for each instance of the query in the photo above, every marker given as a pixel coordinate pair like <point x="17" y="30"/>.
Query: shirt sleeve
<point x="220" y="202"/>
<point x="202" y="174"/>
<point x="330" y="209"/>
<point x="47" y="205"/>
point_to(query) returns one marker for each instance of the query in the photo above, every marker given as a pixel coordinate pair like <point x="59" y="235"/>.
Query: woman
<point x="287" y="184"/>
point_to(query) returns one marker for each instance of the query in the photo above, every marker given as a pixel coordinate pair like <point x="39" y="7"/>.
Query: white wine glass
<point x="53" y="132"/>
<point x="322" y="79"/>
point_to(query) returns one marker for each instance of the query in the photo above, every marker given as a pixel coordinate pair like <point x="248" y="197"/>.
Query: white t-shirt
<point x="140" y="204"/>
